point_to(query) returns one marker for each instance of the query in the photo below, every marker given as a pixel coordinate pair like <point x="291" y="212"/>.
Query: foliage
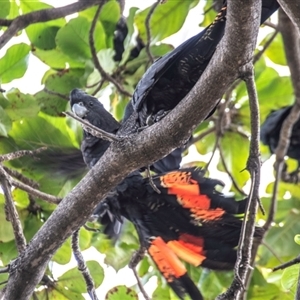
<point x="29" y="121"/>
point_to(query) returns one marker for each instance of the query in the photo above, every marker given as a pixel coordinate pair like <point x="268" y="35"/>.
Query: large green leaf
<point x="121" y="292"/>
<point x="56" y="59"/>
<point x="73" y="38"/>
<point x="42" y="131"/>
<point x="166" y="19"/>
<point x="63" y="255"/>
<point x="14" y="63"/>
<point x="41" y="35"/>
<point x="57" y="292"/>
<point x="5" y="8"/>
<point x="236" y="149"/>
<point x="73" y="280"/>
<point x="59" y="83"/>
<point x="8" y="252"/>
<point x="21" y="105"/>
<point x="275" y="51"/>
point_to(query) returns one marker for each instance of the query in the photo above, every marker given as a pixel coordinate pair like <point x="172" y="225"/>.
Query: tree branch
<point x="253" y="165"/>
<point x="93" y="130"/>
<point x="149" y="145"/>
<point x="18" y="154"/>
<point x="82" y="267"/>
<point x="47" y="197"/>
<point x="292" y="9"/>
<point x="12" y="214"/>
<point x="43" y="15"/>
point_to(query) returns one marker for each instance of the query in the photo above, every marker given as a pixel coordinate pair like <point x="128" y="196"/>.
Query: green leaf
<point x="271" y="291"/>
<point x="73" y="38"/>
<point x="289" y="278"/>
<point x="109" y="17"/>
<point x="28" y="135"/>
<point x="56" y="59"/>
<point x="14" y="10"/>
<point x="41" y="35"/>
<point x="59" y="83"/>
<point x="52" y="104"/>
<point x="121" y="292"/>
<point x="14" y="63"/>
<point x="73" y="280"/>
<point x="57" y="293"/>
<point x="85" y="238"/>
<point x="235" y="149"/>
<point x="63" y="255"/>
<point x="8" y="252"/>
<point x="297" y="239"/>
<point x="166" y="19"/>
<point x="31" y="226"/>
<point x="6" y="231"/>
<point x="20" y="198"/>
<point x="21" y="105"/>
<point x="275" y="52"/>
<point x="5" y="8"/>
<point x="5" y="123"/>
<point x="119" y="256"/>
<point x="161" y="293"/>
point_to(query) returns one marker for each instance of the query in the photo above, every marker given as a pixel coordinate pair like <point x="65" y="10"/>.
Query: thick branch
<point x="43" y="15"/>
<point x="149" y="145"/>
<point x="292" y="9"/>
<point x="291" y="40"/>
<point x="291" y="43"/>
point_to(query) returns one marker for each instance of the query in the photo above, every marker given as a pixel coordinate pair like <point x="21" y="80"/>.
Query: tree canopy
<point x="80" y="52"/>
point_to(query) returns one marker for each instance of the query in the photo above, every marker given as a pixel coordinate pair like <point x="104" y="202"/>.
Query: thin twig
<point x="93" y="130"/>
<point x="4" y="270"/>
<point x="18" y="154"/>
<point x="270" y="24"/>
<point x="213" y="152"/>
<point x="96" y="61"/>
<point x="148" y="31"/>
<point x="259" y="54"/>
<point x="242" y="266"/>
<point x="82" y="267"/>
<point x="135" y="259"/>
<point x="12" y="216"/>
<point x="65" y="97"/>
<point x="288" y="264"/>
<point x="272" y="251"/>
<point x="21" y="177"/>
<point x="99" y="87"/>
<point x="88" y="228"/>
<point x="200" y="136"/>
<point x="34" y="192"/>
<point x="254" y="167"/>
